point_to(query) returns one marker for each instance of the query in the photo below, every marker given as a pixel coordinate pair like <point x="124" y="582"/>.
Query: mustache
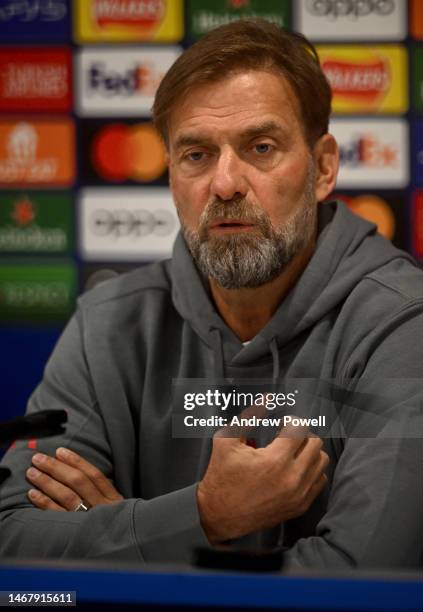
<point x="238" y="208"/>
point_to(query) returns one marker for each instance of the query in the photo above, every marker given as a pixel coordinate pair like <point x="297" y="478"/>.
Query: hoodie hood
<point x="348" y="248"/>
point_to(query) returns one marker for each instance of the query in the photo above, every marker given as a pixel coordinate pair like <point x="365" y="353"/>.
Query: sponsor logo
<point x="366" y="81"/>
<point x="121" y="152"/>
<point x="372" y="153"/>
<point x="35" y="222"/>
<point x="417" y="225"/>
<point x="386" y="209"/>
<point x="352" y="19"/>
<point x="141" y="222"/>
<point x="129" y="20"/>
<point x="367" y="150"/>
<point x="37" y="152"/>
<point x="349" y="8"/>
<point x="143" y="225"/>
<point x="362" y="81"/>
<point x="238" y="4"/>
<point x="128" y="12"/>
<point x="204" y="15"/>
<point x="34" y="292"/>
<point x="373" y="209"/>
<point x="121" y="81"/>
<point x="34" y="20"/>
<point x="36" y="79"/>
<point x="416" y="19"/>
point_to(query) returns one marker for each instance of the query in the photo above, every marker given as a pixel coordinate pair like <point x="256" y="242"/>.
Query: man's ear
<point x="167" y="161"/>
<point x="326" y="156"/>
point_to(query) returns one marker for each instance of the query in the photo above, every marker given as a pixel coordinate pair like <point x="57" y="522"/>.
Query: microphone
<point x="37" y="425"/>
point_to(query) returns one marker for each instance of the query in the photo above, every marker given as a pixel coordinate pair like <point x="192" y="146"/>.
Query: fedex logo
<point x="367" y="150"/>
<point x="120" y="82"/>
<point x="373" y="153"/>
<point x="141" y="78"/>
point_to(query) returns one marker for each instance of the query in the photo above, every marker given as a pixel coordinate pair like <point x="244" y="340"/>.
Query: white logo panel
<point x="351" y="19"/>
<point x="373" y="153"/>
<point x="120" y="81"/>
<point x="127" y="224"/>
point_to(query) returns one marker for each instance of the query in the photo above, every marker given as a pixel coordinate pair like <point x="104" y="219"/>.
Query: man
<point x="264" y="282"/>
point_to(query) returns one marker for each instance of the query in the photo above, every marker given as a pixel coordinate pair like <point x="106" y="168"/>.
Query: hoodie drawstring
<point x="275" y="355"/>
<point x="218" y="357"/>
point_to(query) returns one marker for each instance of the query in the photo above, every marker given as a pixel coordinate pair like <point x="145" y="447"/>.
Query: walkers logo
<point x="417" y="223"/>
<point x="121" y="81"/>
<point x="119" y="152"/>
<point x="34" y="21"/>
<point x="417" y="152"/>
<point x="372" y="153"/>
<point x="352" y="19"/>
<point x="416" y="19"/>
<point x="37" y="153"/>
<point x="204" y="15"/>
<point x="37" y="292"/>
<point x="129" y="20"/>
<point x="35" y="79"/>
<point x="418" y="79"/>
<point x="366" y="80"/>
<point x="36" y="222"/>
<point x="127" y="224"/>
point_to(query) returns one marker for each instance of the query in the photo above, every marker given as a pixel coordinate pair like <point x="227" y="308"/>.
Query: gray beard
<point x="256" y="257"/>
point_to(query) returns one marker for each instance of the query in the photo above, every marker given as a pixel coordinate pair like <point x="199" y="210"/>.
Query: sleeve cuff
<point x="168" y="527"/>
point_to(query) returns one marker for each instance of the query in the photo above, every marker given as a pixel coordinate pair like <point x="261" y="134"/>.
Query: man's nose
<point x="229" y="176"/>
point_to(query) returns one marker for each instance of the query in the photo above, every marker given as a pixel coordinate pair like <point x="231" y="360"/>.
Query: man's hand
<point x="63" y="482"/>
<point x="246" y="489"/>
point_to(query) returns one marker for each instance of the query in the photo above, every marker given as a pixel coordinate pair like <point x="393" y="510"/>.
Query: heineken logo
<point x="37" y="222"/>
<point x="31" y="291"/>
<point x="238" y="4"/>
<point x="23" y="212"/>
<point x="208" y="14"/>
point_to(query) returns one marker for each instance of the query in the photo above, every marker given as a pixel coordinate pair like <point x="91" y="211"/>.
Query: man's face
<point x="242" y="177"/>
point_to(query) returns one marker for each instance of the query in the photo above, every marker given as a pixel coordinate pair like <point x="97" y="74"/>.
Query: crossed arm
<point x="285" y="477"/>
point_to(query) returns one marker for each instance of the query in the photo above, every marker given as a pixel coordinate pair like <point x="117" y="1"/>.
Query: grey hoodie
<point x="356" y="313"/>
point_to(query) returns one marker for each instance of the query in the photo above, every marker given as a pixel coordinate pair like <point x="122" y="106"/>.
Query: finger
<point x="318" y="468"/>
<point x="43" y="502"/>
<point x="97" y="477"/>
<point x="308" y="454"/>
<point x="289" y="441"/>
<point x="76" y="480"/>
<point x="242" y="432"/>
<point x="54" y="490"/>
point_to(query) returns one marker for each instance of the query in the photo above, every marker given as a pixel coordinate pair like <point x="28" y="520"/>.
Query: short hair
<point x="249" y="44"/>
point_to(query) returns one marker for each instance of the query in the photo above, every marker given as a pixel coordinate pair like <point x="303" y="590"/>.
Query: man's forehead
<point x="195" y="135"/>
<point x="248" y="102"/>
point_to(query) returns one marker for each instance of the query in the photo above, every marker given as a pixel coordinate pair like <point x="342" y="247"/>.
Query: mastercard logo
<point x="123" y="152"/>
<point x="373" y="209"/>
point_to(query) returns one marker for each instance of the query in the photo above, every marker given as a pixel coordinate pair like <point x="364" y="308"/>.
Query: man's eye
<point x="195" y="156"/>
<point x="262" y="147"/>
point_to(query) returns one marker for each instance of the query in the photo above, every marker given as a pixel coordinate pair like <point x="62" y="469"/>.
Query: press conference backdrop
<point x="83" y="183"/>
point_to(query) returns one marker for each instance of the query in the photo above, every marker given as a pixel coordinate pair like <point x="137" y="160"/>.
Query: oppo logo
<point x="132" y="223"/>
<point x="350" y="8"/>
